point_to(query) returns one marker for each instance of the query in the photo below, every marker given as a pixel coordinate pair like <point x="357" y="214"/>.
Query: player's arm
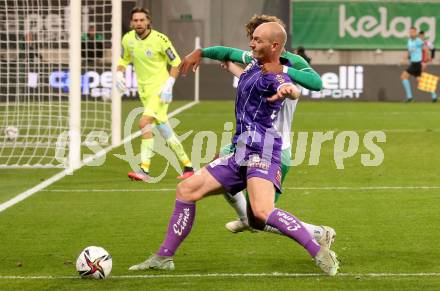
<point x="124" y="61"/>
<point x="223" y="53"/>
<point x="405" y="58"/>
<point x="287" y="90"/>
<point x="277" y="87"/>
<point x="174" y="61"/>
<point x="232" y="68"/>
<point x="300" y="72"/>
<point x="218" y="53"/>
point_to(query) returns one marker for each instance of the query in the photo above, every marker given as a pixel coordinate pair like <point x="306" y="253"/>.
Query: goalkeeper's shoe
<point x="238" y="226"/>
<point x="139" y="175"/>
<point x="328" y="237"/>
<point x="155" y="262"/>
<point x="327" y="261"/>
<point x="187" y="172"/>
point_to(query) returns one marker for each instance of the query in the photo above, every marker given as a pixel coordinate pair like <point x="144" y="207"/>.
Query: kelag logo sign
<point x="361" y="24"/>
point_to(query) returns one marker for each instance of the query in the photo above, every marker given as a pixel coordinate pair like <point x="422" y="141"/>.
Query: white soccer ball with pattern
<point x="94" y="262"/>
<point x="11" y="132"/>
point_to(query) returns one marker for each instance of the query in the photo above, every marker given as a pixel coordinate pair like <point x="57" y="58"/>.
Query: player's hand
<point x="166" y="96"/>
<point x="287" y="91"/>
<point x="191" y="60"/>
<point x="120" y="82"/>
<point x="271" y="68"/>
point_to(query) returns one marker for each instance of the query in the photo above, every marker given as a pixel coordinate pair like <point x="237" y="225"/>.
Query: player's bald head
<point x="273" y="32"/>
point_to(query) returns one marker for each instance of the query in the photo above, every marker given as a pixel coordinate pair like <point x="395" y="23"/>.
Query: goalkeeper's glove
<point x="166" y="96"/>
<point x="120" y="82"/>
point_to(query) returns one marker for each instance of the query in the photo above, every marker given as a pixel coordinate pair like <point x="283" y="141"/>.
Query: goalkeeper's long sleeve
<point x="300" y="72"/>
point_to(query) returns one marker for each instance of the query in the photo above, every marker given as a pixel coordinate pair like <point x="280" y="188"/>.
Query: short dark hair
<point x="141" y="10"/>
<point x="422" y="32"/>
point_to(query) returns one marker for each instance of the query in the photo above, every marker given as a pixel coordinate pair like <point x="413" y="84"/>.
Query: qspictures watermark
<point x="203" y="147"/>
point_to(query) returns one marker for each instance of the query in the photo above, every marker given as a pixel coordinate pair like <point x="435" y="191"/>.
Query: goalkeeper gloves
<point x="166" y="96"/>
<point x="120" y="82"/>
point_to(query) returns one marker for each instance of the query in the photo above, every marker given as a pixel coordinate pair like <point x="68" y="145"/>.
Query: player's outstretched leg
<point x="187" y="193"/>
<point x="292" y="227"/>
<point x="178" y="229"/>
<point x="261" y="197"/>
<point x="324" y="235"/>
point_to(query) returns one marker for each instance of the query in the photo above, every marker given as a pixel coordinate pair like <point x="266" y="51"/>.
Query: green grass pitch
<point x="386" y="217"/>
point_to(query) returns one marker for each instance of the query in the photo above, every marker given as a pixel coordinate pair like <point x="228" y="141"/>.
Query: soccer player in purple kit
<point x="254" y="165"/>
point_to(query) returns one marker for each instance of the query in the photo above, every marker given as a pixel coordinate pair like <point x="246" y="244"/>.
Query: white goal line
<point x="233" y="275"/>
<point x="285" y="188"/>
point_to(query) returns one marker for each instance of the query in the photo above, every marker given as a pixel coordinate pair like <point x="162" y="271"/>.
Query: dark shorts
<point x="233" y="177"/>
<point x="415" y="69"/>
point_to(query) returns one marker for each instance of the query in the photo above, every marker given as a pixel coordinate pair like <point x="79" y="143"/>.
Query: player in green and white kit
<point x="302" y="74"/>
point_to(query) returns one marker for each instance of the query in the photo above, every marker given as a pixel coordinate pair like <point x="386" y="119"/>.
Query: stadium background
<point x="385" y="216"/>
<point x="312" y="24"/>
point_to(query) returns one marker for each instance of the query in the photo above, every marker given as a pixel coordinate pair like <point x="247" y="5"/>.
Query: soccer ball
<point x="11" y="132"/>
<point x="94" y="262"/>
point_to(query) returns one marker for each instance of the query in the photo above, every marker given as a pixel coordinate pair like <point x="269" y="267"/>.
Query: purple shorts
<point x="233" y="177"/>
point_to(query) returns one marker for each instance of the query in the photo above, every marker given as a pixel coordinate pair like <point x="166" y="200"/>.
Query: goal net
<point x="55" y="80"/>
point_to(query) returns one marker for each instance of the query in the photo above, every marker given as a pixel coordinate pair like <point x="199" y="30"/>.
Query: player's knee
<point x="165" y="130"/>
<point x="186" y="192"/>
<point x="146" y="126"/>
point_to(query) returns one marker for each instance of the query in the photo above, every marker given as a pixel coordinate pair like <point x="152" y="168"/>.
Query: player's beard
<point x="141" y="31"/>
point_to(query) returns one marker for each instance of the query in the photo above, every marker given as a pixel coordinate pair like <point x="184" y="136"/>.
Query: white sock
<point x="271" y="229"/>
<point x="238" y="202"/>
<point x="314" y="230"/>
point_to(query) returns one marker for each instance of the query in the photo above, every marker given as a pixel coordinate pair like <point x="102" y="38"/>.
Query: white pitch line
<point x="229" y="275"/>
<point x="22" y="196"/>
<point x="285" y="188"/>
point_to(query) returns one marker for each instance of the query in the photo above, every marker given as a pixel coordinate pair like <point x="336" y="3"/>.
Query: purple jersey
<point x="254" y="115"/>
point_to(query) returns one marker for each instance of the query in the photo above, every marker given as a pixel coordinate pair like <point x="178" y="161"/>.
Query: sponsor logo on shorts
<point x="256" y="162"/>
<point x="259" y="165"/>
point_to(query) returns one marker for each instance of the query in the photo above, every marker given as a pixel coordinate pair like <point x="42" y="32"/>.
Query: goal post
<point x="75" y="85"/>
<point x="116" y="49"/>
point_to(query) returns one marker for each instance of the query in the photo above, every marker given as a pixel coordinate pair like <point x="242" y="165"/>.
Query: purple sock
<point x="179" y="227"/>
<point x="293" y="228"/>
